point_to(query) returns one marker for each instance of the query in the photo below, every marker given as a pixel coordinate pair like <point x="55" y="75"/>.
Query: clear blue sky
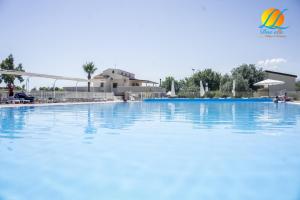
<point x="152" y="38"/>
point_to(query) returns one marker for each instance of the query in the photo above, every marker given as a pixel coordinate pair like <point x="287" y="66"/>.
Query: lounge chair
<point x="22" y="100"/>
<point x="13" y="100"/>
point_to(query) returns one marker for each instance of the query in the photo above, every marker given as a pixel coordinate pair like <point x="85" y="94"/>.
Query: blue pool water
<point x="151" y="150"/>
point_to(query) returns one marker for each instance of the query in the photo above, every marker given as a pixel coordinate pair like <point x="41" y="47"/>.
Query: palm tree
<point x="89" y="68"/>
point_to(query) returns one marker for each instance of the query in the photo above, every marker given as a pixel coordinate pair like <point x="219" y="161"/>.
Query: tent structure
<point x="233" y="88"/>
<point x="54" y="77"/>
<point x="268" y="82"/>
<point x="173" y="94"/>
<point x="202" y="91"/>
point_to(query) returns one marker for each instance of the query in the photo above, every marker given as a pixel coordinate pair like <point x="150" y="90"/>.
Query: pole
<point x="76" y="90"/>
<point x="93" y="93"/>
<point x="27" y="84"/>
<point x="54" y="88"/>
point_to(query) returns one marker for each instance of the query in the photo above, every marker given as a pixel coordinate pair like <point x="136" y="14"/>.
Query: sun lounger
<point x="22" y="100"/>
<point x="13" y="101"/>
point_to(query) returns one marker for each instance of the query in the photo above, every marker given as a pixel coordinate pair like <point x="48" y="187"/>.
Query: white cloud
<point x="273" y="63"/>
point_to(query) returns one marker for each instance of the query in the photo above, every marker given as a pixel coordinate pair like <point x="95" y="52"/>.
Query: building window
<point x="101" y="84"/>
<point x="115" y="85"/>
<point x="113" y="71"/>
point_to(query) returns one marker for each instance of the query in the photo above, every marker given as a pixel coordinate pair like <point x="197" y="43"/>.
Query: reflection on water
<point x="151" y="151"/>
<point x="90" y="127"/>
<point x="105" y="118"/>
<point x="12" y="121"/>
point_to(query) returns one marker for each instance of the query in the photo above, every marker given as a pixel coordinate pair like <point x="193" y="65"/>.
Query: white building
<point x="276" y="90"/>
<point x="288" y="86"/>
<point x="119" y="81"/>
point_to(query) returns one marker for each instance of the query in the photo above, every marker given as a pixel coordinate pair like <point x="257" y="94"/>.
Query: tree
<point x="168" y="82"/>
<point x="188" y="88"/>
<point x="50" y="89"/>
<point x="90" y="69"/>
<point x="226" y="83"/>
<point x="250" y="73"/>
<point x="241" y="84"/>
<point x="207" y="76"/>
<point x="8" y="64"/>
<point x="9" y="80"/>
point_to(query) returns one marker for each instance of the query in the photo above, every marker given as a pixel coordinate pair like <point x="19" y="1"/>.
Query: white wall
<point x="289" y="85"/>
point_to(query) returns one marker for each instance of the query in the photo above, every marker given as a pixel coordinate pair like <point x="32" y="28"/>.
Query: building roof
<point x="144" y="81"/>
<point x="279" y="73"/>
<point x="103" y="76"/>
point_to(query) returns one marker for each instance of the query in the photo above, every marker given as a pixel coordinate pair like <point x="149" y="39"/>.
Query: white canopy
<point x="29" y="74"/>
<point x="268" y="82"/>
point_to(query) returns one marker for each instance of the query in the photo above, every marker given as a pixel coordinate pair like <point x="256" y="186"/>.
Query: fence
<point x="213" y="94"/>
<point x="86" y="96"/>
<point x="64" y="95"/>
<point x="135" y="96"/>
<point x="61" y="95"/>
<point x="239" y="94"/>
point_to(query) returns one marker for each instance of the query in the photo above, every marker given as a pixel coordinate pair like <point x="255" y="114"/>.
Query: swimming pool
<point x="151" y="150"/>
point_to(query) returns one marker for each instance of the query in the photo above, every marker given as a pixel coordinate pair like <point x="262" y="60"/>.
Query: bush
<point x="210" y="94"/>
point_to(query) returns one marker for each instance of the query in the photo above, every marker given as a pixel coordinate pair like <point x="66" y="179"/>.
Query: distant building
<point x="289" y="80"/>
<point x="119" y="81"/>
<point x="111" y="80"/>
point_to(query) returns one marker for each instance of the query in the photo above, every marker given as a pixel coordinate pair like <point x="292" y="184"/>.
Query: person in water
<point x="276" y="100"/>
<point x="286" y="98"/>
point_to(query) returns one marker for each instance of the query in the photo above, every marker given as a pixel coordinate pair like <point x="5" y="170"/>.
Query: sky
<point x="151" y="38"/>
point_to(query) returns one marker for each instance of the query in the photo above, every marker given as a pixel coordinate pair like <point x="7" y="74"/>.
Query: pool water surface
<point x="151" y="150"/>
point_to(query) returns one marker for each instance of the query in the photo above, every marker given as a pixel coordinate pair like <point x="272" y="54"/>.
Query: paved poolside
<point x="295" y="102"/>
<point x="54" y="104"/>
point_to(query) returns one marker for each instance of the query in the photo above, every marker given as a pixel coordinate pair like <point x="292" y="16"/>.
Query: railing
<point x="83" y="89"/>
<point x="121" y="89"/>
<point x="72" y="95"/>
<point x="90" y="96"/>
<point x="139" y="92"/>
<point x="136" y="96"/>
<point x="212" y="94"/>
<point x="64" y="95"/>
<point x="239" y="94"/>
<point x="4" y="93"/>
